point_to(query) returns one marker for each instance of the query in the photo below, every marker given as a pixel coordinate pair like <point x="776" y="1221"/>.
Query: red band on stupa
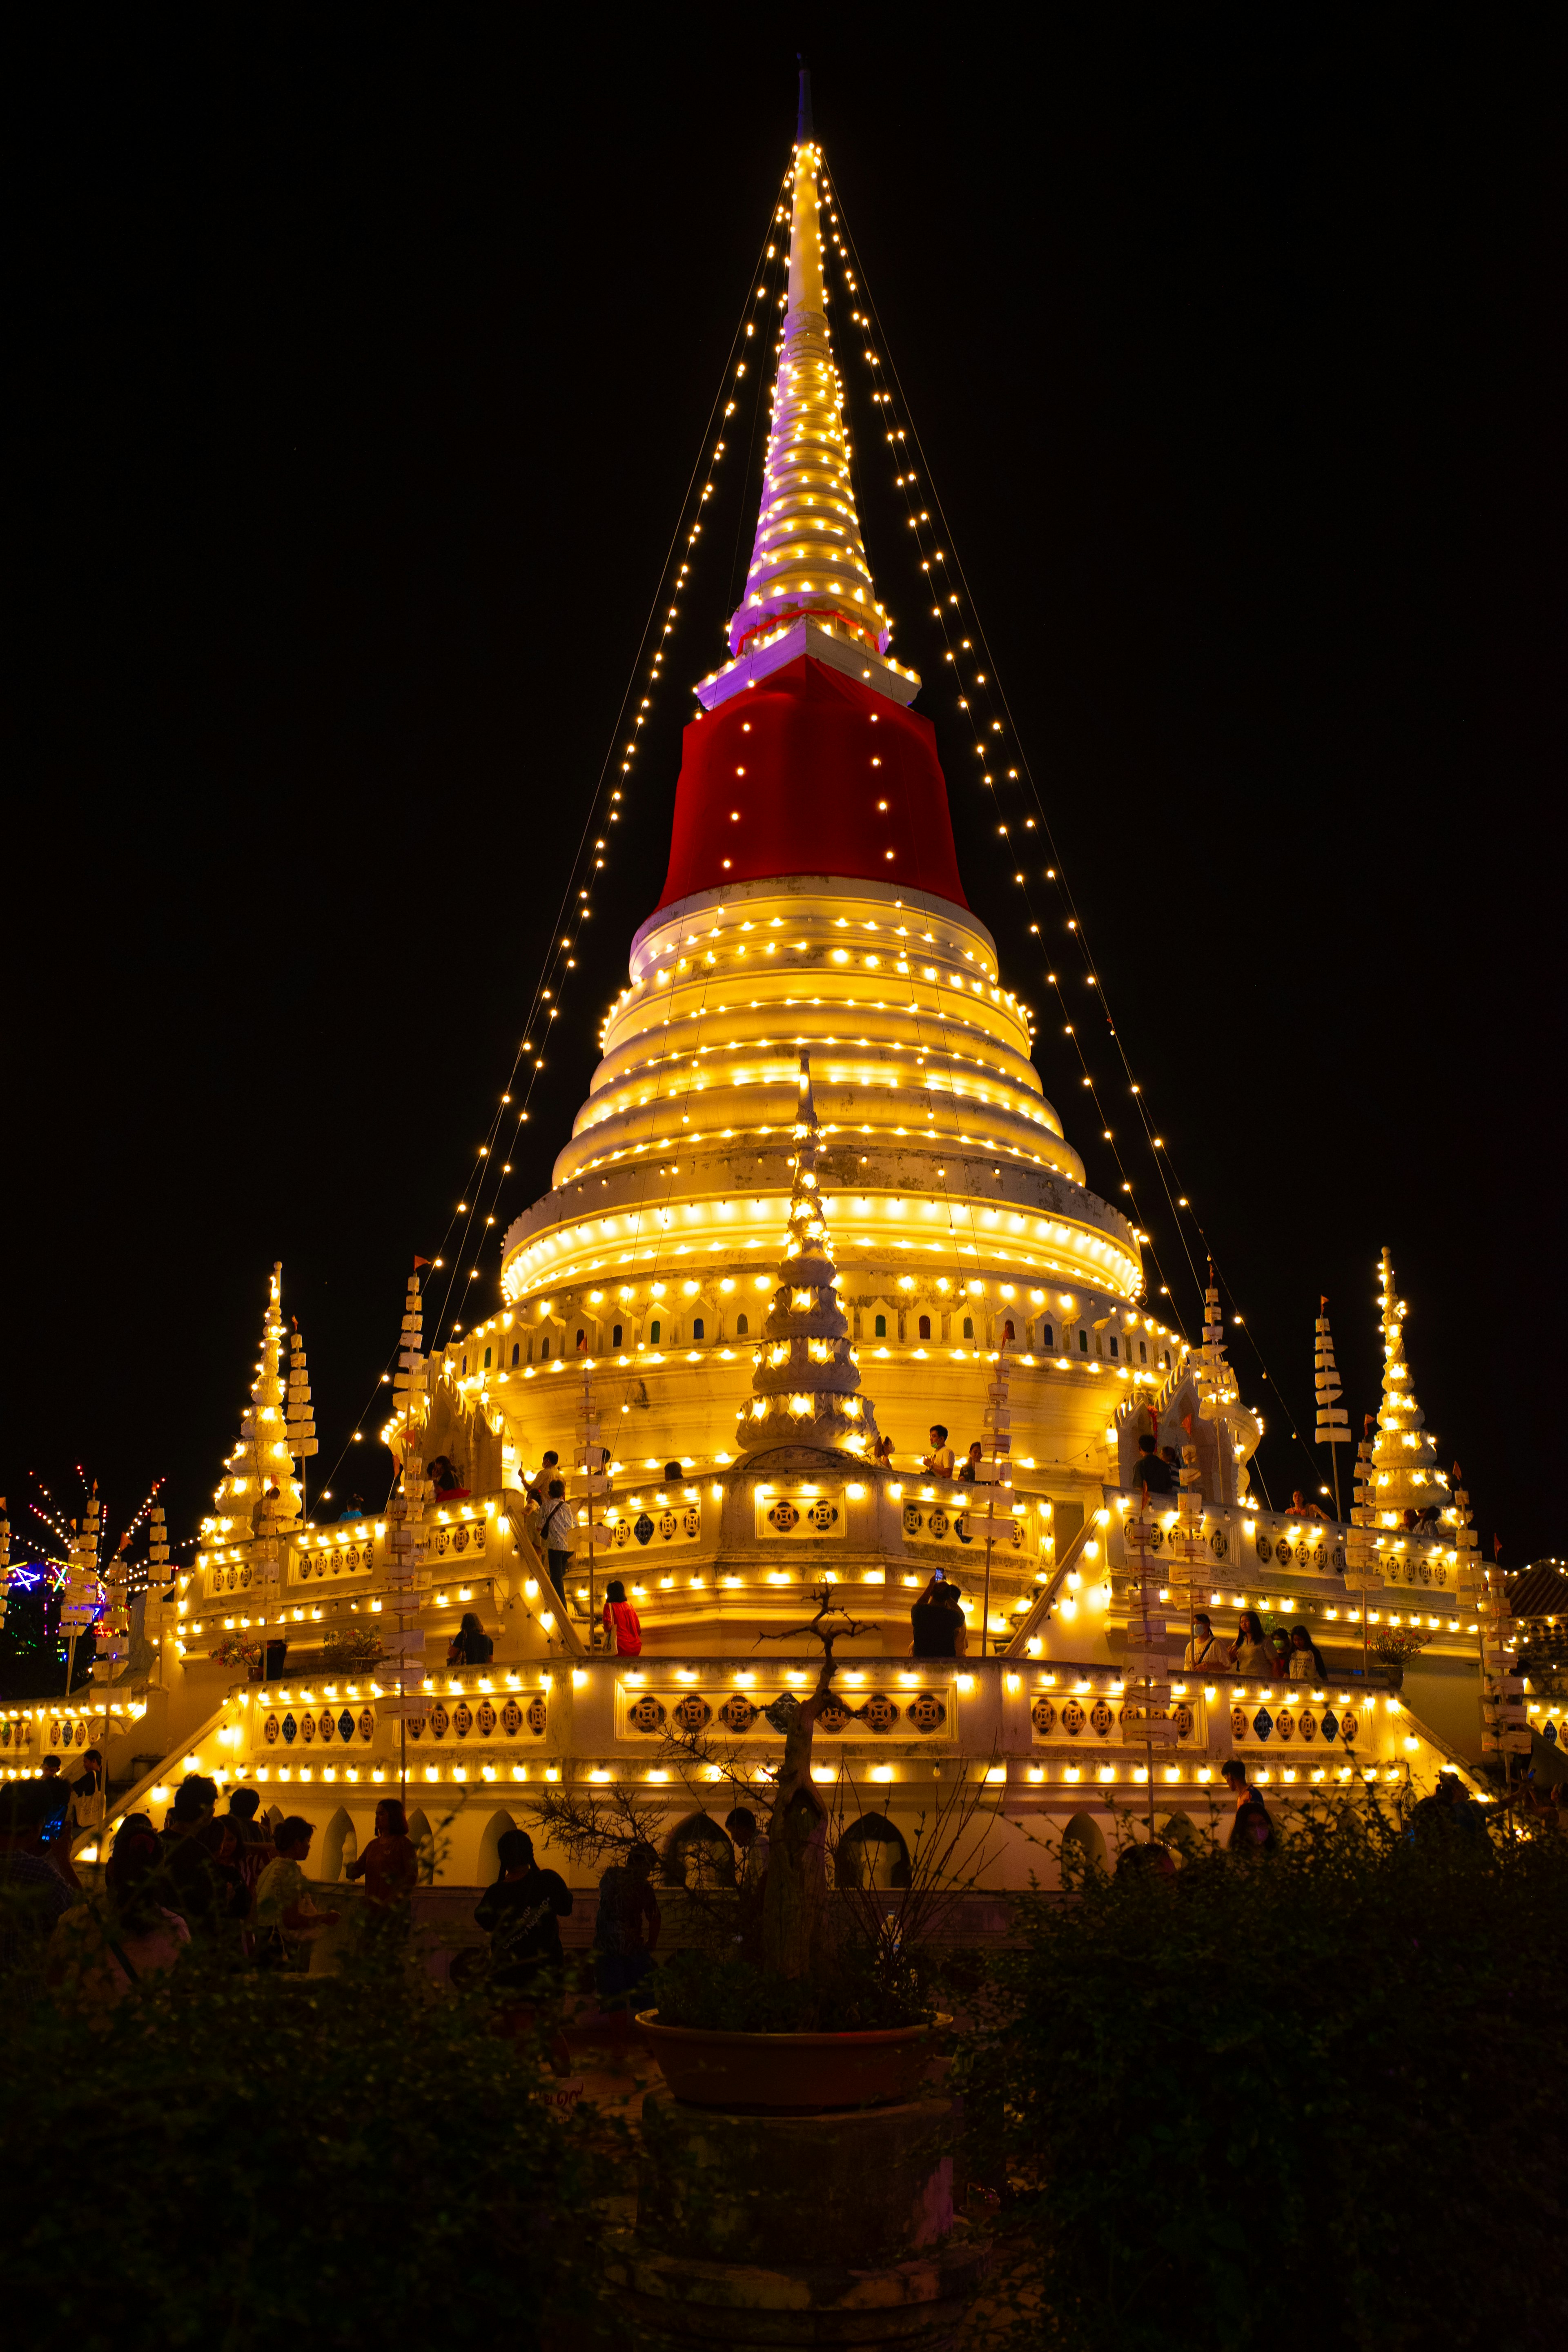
<point x="787" y="777"/>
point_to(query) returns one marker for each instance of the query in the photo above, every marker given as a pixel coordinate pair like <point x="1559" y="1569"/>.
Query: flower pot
<point x="790" y="2072"/>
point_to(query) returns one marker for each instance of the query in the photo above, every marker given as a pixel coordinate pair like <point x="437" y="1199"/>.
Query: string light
<point x="996" y="722"/>
<point x="606" y="807"/>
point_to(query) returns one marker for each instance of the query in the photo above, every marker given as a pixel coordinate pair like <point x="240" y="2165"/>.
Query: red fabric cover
<point x="807" y="801"/>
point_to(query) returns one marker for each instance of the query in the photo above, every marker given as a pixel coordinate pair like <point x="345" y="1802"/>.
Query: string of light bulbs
<point x="998" y="726"/>
<point x="475" y="1216"/>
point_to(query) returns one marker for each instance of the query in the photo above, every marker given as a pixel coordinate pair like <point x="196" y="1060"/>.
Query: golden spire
<point x="258" y="1499"/>
<point x="808" y="557"/>
<point x="805" y="1382"/>
<point x="1405" y="1475"/>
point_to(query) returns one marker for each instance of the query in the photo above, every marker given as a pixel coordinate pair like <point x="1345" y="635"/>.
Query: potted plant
<point x="350" y="1650"/>
<point x="793" y="2033"/>
<point x="808" y="1989"/>
<point x="234" y="1650"/>
<point x="1393" y="1649"/>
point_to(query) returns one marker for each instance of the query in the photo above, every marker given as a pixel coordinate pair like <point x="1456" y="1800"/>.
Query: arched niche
<point x="495" y="1829"/>
<point x="338" y="1847"/>
<point x="872" y="1853"/>
<point x="697" y="1852"/>
<point x="422" y="1839"/>
<point x="1083" y="1845"/>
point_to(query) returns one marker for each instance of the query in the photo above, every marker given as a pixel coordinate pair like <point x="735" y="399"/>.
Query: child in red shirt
<point x="623" y="1631"/>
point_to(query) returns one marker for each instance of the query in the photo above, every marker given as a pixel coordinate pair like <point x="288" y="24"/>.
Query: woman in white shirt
<point x="1250" y="1653"/>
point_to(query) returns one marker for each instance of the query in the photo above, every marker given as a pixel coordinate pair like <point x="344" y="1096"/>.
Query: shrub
<point x="1318" y="2098"/>
<point x="350" y="2158"/>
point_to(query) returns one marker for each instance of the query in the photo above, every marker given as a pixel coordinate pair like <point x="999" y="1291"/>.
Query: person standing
<point x="751" y="1846"/>
<point x="623" y="1626"/>
<point x="87" y="1808"/>
<point x="1206" y="1653"/>
<point x="287" y="1921"/>
<point x="471" y="1646"/>
<point x="1250" y="1653"/>
<point x="970" y="1469"/>
<point x="194" y="1800"/>
<point x="389" y="1867"/>
<point x="535" y="1488"/>
<point x="626" y="1931"/>
<point x="557" y="1535"/>
<point x="939" y="1458"/>
<point x="522" y="1914"/>
<point x="933" y="1618"/>
<point x="1306" y="1660"/>
<point x="209" y="1887"/>
<point x="33" y="1894"/>
<point x="1150" y="1471"/>
<point x="1252" y="1832"/>
<point x="94" y="1959"/>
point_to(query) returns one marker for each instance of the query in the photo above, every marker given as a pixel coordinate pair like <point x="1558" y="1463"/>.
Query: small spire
<point x="804" y="1387"/>
<point x="258" y="1499"/>
<point x="1405" y="1475"/>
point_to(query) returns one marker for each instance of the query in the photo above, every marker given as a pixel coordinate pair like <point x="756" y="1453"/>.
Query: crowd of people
<point x="228" y="1880"/>
<point x="1270" y="1653"/>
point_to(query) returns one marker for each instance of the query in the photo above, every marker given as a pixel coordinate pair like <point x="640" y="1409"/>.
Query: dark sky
<point x="357" y="375"/>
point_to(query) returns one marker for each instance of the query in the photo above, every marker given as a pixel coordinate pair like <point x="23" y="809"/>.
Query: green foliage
<point x="1316" y="2099"/>
<point x="349" y="1649"/>
<point x="350" y="2158"/>
<point x="1394" y="1648"/>
<point x="851" y="1989"/>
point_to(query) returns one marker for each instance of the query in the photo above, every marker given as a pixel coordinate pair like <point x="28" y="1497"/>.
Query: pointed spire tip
<point x="803" y="130"/>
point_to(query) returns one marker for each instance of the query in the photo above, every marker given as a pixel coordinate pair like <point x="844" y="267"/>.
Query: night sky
<point x="358" y="372"/>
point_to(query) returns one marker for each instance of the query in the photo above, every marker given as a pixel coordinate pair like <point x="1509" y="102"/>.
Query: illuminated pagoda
<point x="816" y="1041"/>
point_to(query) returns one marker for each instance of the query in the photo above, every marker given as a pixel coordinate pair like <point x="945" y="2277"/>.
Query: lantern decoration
<point x="1334" y="1425"/>
<point x="80" y="1589"/>
<point x="401" y="1670"/>
<point x="160" y="1575"/>
<point x="806" y="1379"/>
<point x="114" y="1625"/>
<point x="302" y="1418"/>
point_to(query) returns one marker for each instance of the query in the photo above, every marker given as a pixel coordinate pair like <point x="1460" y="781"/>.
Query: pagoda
<point x="815" y="1166"/>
